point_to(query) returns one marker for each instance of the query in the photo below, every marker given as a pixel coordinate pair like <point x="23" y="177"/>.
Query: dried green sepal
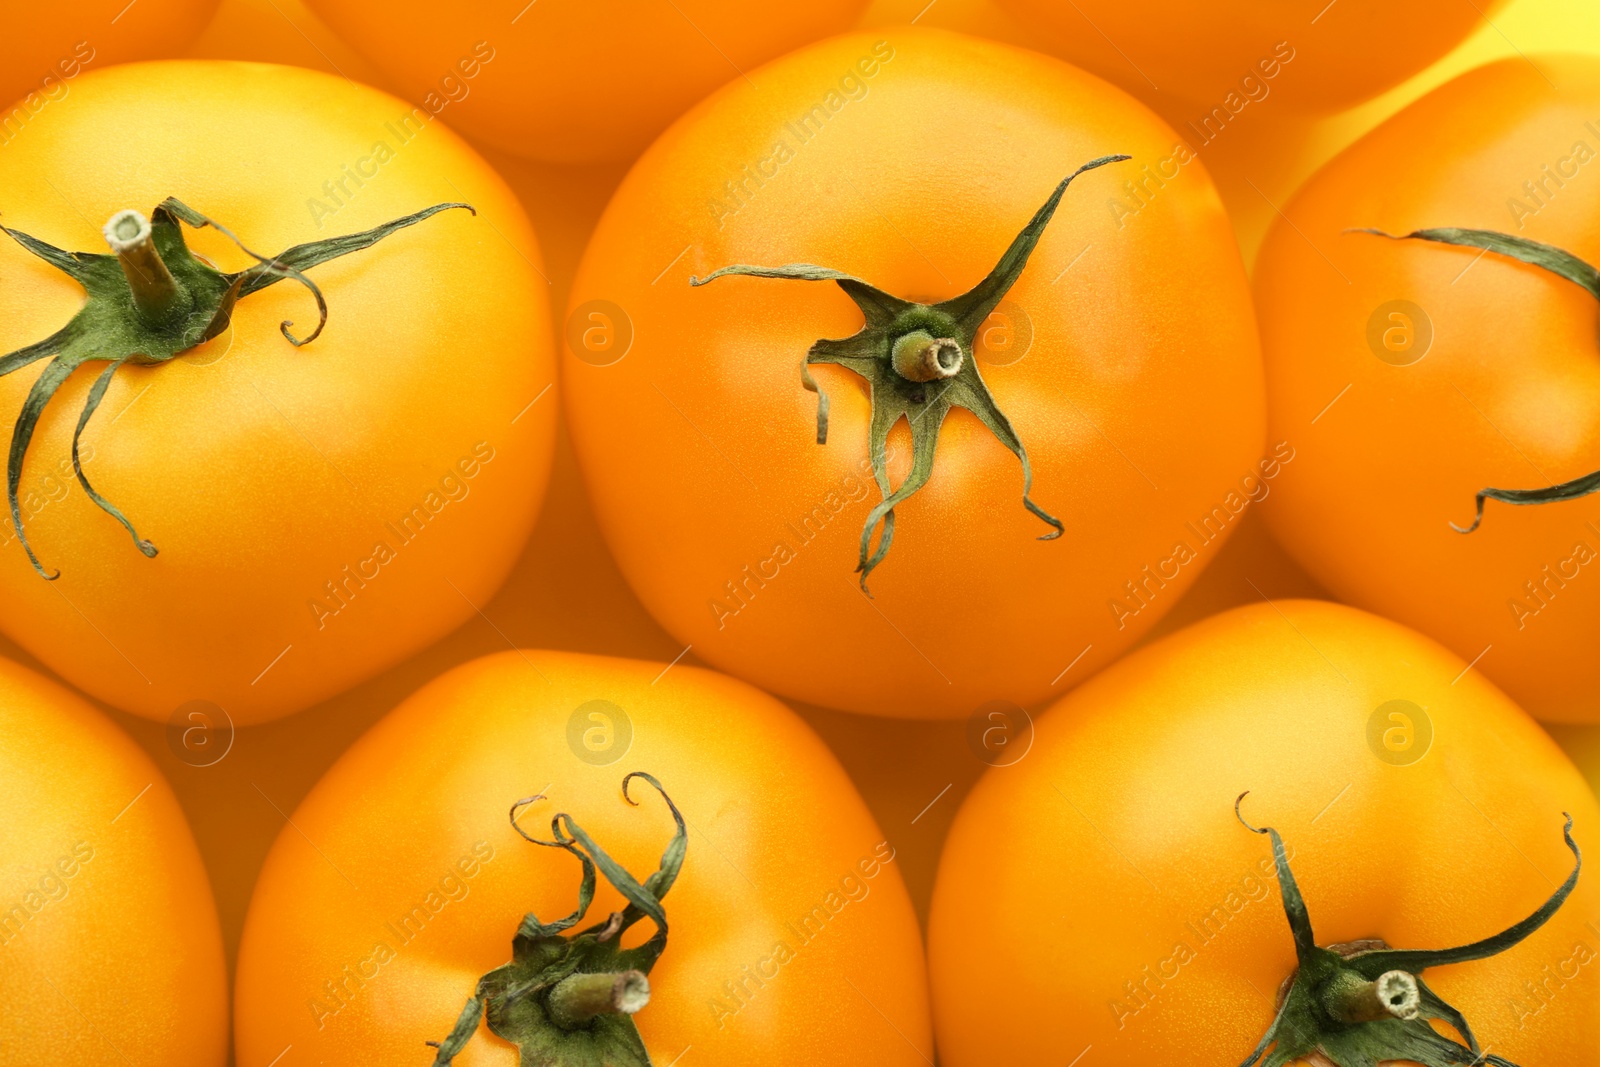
<point x="568" y="1001"/>
<point x="1364" y="1003"/>
<point x="147" y="304"/>
<point x="919" y="381"/>
<point x="1557" y="261"/>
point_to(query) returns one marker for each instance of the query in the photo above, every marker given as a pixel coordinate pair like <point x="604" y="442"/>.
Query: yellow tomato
<point x="110" y="954"/>
<point x="1123" y="360"/>
<point x="320" y="512"/>
<point x="401" y="880"/>
<point x="1416" y="375"/>
<point x="1105" y="875"/>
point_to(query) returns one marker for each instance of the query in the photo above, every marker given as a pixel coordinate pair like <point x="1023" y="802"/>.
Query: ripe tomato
<point x="792" y="940"/>
<point x="1124" y="356"/>
<point x="1418" y="806"/>
<point x="573" y="82"/>
<point x="321" y="512"/>
<point x="1412" y="375"/>
<point x="50" y="45"/>
<point x="1311" y="55"/>
<point x="107" y="928"/>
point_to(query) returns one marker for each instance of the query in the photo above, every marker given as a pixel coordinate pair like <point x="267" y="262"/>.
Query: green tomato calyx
<point x="917" y="360"/>
<point x="1363" y="1003"/>
<point x="1557" y="261"/>
<point x="149" y="302"/>
<point x="569" y="1000"/>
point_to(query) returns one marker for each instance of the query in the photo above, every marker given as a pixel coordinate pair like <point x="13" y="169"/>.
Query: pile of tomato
<point x="625" y="533"/>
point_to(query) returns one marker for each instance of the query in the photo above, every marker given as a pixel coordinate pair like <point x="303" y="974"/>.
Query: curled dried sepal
<point x="1557" y="261"/>
<point x="568" y="1001"/>
<point x="917" y="360"/>
<point x="149" y="303"/>
<point x="1362" y="1004"/>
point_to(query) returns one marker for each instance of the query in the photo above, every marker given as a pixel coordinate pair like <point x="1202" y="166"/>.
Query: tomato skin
<point x="1507" y="395"/>
<point x="1309" y="54"/>
<point x="57" y="42"/>
<point x="768" y="840"/>
<point x="121" y="961"/>
<point x="261" y="471"/>
<point x="699" y="446"/>
<point x="573" y="82"/>
<point x="1124" y="806"/>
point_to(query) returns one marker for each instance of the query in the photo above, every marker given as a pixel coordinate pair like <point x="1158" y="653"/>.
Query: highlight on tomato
<point x="47" y="46"/>
<point x="989" y="450"/>
<point x="108" y="932"/>
<point x="573" y="83"/>
<point x="1209" y="63"/>
<point x="573" y="860"/>
<point x="283" y="421"/>
<point x="1428" y="316"/>
<point x="1417" y="894"/>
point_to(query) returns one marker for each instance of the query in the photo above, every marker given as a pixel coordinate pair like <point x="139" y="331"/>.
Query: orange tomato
<point x="1412" y="374"/>
<point x="48" y="45"/>
<point x="573" y="82"/>
<point x="108" y="933"/>
<point x="1124" y="356"/>
<point x="1105" y="875"/>
<point x="401" y="882"/>
<point x="1312" y="55"/>
<point x="321" y="512"/>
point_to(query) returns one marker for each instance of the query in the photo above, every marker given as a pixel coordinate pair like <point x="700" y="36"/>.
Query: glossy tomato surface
<point x="1105" y="875"/>
<point x="1412" y="374"/>
<point x="1222" y="58"/>
<point x="573" y="82"/>
<point x="1125" y="358"/>
<point x="47" y="46"/>
<point x="321" y="512"/>
<point x="108" y="933"/>
<point x="401" y="881"/>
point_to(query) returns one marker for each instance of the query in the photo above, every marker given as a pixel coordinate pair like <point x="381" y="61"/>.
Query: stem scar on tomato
<point x="569" y="1001"/>
<point x="1364" y="1003"/>
<point x="1555" y="260"/>
<point x="148" y="303"/>
<point x="917" y="360"/>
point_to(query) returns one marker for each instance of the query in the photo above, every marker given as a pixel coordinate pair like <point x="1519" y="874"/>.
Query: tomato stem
<point x="918" y="356"/>
<point x="156" y="293"/>
<point x="1351" y="998"/>
<point x="576" y="1000"/>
